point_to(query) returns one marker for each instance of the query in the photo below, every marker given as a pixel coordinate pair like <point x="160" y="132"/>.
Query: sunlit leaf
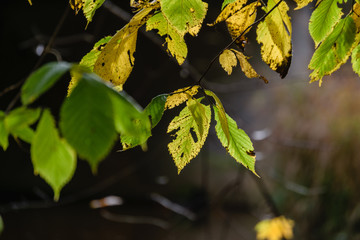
<point x="26" y="134"/>
<point x="76" y="5"/>
<point x="30" y="4"/>
<point x="1" y="225"/>
<point x="52" y="157"/>
<point x="246" y="67"/>
<point x="231" y="8"/>
<point x="334" y="50"/>
<point x="355" y="56"/>
<point x="176" y="45"/>
<point x="241" y="20"/>
<point x="222" y="116"/>
<point x="187" y="138"/>
<point x="239" y="145"/>
<point x="86" y="119"/>
<point x="4" y="135"/>
<point x="87" y="62"/>
<point x="179" y="96"/>
<point x="275" y="229"/>
<point x="323" y="20"/>
<point x="89" y="8"/>
<point x="42" y="79"/>
<point x="186" y="16"/>
<point x="198" y="112"/>
<point x="226" y="2"/>
<point x="274" y="33"/>
<point x="143" y="127"/>
<point x="116" y="59"/>
<point x="227" y="61"/>
<point x="156" y="108"/>
<point x="20" y="118"/>
<point x="355" y="59"/>
<point x="302" y="3"/>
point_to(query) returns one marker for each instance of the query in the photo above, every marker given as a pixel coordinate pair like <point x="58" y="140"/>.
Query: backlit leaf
<point x="52" y="157"/>
<point x="222" y="116"/>
<point x="239" y="145"/>
<point x="274" y="33"/>
<point x="87" y="62"/>
<point x="179" y="96"/>
<point x="176" y="45"/>
<point x="355" y="56"/>
<point x="229" y="10"/>
<point x="20" y="118"/>
<point x="156" y="108"/>
<point x="1" y="225"/>
<point x="143" y="132"/>
<point x="86" y="119"/>
<point x="116" y="59"/>
<point x="4" y="135"/>
<point x="42" y="79"/>
<point x="227" y="61"/>
<point x="26" y="134"/>
<point x="246" y="66"/>
<point x="226" y="2"/>
<point x="275" y="229"/>
<point x="89" y="8"/>
<point x="355" y="59"/>
<point x="323" y="20"/>
<point x="186" y="16"/>
<point x="334" y="50"/>
<point x="241" y="20"/>
<point x="76" y="5"/>
<point x="302" y="3"/>
<point x="187" y="138"/>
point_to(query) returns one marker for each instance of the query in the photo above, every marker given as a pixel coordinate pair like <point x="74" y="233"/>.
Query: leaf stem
<point x="234" y="40"/>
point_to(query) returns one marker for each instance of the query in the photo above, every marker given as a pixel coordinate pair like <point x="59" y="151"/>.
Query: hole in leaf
<point x="193" y="135"/>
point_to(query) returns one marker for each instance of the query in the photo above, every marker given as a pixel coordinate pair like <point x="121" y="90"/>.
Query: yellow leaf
<point x="116" y="60"/>
<point x="179" y="96"/>
<point x="192" y="127"/>
<point x="356" y="15"/>
<point x="76" y="5"/>
<point x="302" y="3"/>
<point x="30" y="2"/>
<point x="228" y="60"/>
<point x="274" y="33"/>
<point x="275" y="229"/>
<point x="241" y="20"/>
<point x="248" y="70"/>
<point x="228" y="11"/>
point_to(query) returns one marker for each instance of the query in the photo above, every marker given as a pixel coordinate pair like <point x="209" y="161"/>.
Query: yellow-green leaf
<point x="246" y="67"/>
<point x="4" y="135"/>
<point x="52" y="157"/>
<point x="188" y="139"/>
<point x="184" y="15"/>
<point x="302" y="3"/>
<point x="275" y="229"/>
<point x="89" y="8"/>
<point x="222" y="116"/>
<point x="227" y="61"/>
<point x="76" y="5"/>
<point x="30" y="2"/>
<point x="274" y="33"/>
<point x="179" y="96"/>
<point x="239" y="145"/>
<point x="241" y="20"/>
<point x="176" y="45"/>
<point x="334" y="50"/>
<point x="229" y="10"/>
<point x="116" y="60"/>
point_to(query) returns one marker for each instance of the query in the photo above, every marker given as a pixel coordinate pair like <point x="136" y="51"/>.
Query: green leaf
<point x="222" y="115"/>
<point x="156" y="109"/>
<point x="1" y="225"/>
<point x="87" y="63"/>
<point x="188" y="139"/>
<point x="143" y="132"/>
<point x="240" y="146"/>
<point x="53" y="158"/>
<point x="184" y="15"/>
<point x="226" y="2"/>
<point x="86" y="119"/>
<point x="90" y="7"/>
<point x="355" y="59"/>
<point x="323" y="20"/>
<point x="176" y="45"/>
<point x="26" y="134"/>
<point x="20" y="118"/>
<point x="4" y="135"/>
<point x="334" y="50"/>
<point x="41" y="80"/>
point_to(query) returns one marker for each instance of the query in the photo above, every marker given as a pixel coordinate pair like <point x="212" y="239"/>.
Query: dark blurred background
<point x="306" y="139"/>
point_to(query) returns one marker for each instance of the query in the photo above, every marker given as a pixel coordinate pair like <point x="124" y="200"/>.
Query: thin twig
<point x="234" y="40"/>
<point x="41" y="58"/>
